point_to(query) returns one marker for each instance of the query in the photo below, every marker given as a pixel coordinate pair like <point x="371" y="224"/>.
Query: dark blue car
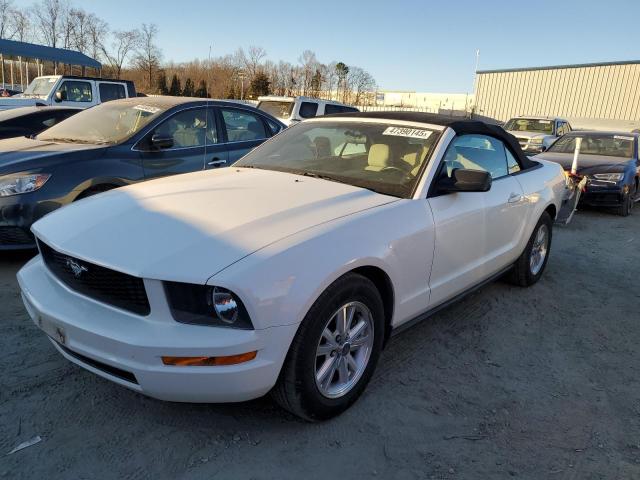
<point x="609" y="160"/>
<point x="116" y="144"/>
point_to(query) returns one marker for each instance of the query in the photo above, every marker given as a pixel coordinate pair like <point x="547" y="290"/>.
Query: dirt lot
<point x="537" y="383"/>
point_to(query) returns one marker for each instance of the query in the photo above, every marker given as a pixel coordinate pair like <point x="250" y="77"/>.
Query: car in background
<point x="536" y="134"/>
<point x="27" y="121"/>
<point x="70" y="91"/>
<point x="289" y="272"/>
<point x="609" y="160"/>
<point x="290" y="110"/>
<point x="115" y="144"/>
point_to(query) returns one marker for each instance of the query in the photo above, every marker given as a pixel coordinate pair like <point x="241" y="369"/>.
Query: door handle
<point x="514" y="198"/>
<point x="216" y="162"/>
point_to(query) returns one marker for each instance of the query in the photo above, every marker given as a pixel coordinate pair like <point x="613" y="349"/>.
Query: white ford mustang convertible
<point x="288" y="272"/>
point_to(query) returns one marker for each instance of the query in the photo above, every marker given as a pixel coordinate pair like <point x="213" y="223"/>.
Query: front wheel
<point x="531" y="264"/>
<point x="624" y="210"/>
<point x="335" y="351"/>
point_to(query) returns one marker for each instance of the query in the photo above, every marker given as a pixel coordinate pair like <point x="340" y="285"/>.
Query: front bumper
<point x="531" y="147"/>
<point x="606" y="195"/>
<point x="17" y="214"/>
<point x="127" y="349"/>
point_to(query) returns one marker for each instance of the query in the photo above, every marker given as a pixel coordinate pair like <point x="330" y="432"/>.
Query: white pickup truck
<point x="69" y="91"/>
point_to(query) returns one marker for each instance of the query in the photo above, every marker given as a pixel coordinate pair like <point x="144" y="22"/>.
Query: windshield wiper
<point x="323" y="176"/>
<point x="67" y="140"/>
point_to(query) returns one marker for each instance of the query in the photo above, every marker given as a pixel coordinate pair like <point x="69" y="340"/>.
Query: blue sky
<point x="405" y="44"/>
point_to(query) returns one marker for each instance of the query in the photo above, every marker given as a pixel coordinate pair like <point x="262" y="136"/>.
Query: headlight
<point x="537" y="141"/>
<point x="22" y="183"/>
<point x="608" y="177"/>
<point x="206" y="305"/>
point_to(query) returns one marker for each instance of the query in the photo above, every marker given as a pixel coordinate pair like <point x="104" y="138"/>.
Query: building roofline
<point x="557" y="67"/>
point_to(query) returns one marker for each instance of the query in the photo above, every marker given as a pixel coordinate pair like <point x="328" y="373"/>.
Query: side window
<point x="242" y="126"/>
<point x="330" y="108"/>
<point x="275" y="128"/>
<point x="187" y="128"/>
<point x="512" y="163"/>
<point x="76" y="91"/>
<point x="308" y="109"/>
<point x="476" y="152"/>
<point x="111" y="91"/>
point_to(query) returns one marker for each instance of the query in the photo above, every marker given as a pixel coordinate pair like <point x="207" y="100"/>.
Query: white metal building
<point x="587" y="94"/>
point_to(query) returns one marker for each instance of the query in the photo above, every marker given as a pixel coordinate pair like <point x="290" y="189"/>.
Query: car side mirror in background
<point x="160" y="141"/>
<point x="60" y="96"/>
<point x="463" y="180"/>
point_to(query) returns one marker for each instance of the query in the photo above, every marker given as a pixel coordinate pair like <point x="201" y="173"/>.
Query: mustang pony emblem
<point x="76" y="268"/>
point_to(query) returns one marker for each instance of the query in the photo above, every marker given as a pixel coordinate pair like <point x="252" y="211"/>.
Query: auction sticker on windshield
<point x="407" y="132"/>
<point x="147" y="108"/>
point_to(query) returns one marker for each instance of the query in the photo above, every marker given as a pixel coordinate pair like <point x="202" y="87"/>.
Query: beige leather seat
<point x="379" y="157"/>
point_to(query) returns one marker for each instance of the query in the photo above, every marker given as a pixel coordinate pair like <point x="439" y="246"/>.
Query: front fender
<point x="280" y="282"/>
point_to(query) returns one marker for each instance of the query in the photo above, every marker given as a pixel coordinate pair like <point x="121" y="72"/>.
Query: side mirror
<point x="60" y="96"/>
<point x="160" y="141"/>
<point x="463" y="180"/>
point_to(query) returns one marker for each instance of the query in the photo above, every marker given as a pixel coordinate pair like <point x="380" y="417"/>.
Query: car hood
<point x="13" y="102"/>
<point x="529" y="135"/>
<point x="22" y="153"/>
<point x="587" y="164"/>
<point x="189" y="227"/>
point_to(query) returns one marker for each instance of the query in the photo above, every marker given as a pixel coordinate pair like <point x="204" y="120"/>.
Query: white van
<point x="291" y="110"/>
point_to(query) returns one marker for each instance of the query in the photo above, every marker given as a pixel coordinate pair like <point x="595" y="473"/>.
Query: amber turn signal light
<point x="209" y="361"/>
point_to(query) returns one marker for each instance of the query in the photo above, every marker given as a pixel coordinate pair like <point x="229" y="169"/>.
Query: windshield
<point x="279" y="109"/>
<point x="529" y="125"/>
<point x="111" y="122"/>
<point x="40" y="87"/>
<point x="386" y="158"/>
<point x="598" y="144"/>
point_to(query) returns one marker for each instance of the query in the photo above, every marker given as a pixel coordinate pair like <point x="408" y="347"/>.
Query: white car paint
<point x="277" y="240"/>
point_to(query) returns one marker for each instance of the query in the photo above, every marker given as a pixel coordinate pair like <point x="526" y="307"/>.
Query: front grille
<point x="113" y="371"/>
<point x="100" y="283"/>
<point x="15" y="236"/>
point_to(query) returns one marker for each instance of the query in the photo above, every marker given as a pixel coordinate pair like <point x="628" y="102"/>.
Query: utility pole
<point x="242" y="76"/>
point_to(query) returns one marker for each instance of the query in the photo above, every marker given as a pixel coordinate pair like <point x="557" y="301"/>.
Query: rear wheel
<point x="531" y="264"/>
<point x="335" y="351"/>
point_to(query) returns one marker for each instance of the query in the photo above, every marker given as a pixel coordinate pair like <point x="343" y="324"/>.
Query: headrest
<point x="378" y="157"/>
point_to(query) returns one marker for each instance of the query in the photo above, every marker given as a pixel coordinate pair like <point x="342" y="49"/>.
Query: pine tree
<point x="231" y="93"/>
<point x="202" y="90"/>
<point x="260" y="84"/>
<point x="162" y="84"/>
<point x="188" y="89"/>
<point x="175" y="89"/>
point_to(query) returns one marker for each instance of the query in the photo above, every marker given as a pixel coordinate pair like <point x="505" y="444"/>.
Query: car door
<point x="189" y="129"/>
<point x="75" y="93"/>
<point x="477" y="233"/>
<point x="243" y="131"/>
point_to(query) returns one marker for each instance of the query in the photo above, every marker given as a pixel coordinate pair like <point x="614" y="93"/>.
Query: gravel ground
<point x="529" y="383"/>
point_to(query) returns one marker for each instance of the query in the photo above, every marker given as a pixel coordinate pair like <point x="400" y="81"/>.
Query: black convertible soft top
<point x="460" y="126"/>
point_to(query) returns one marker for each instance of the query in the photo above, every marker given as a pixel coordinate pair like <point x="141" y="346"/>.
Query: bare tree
<point x="149" y="55"/>
<point x="21" y="25"/>
<point x="124" y="43"/>
<point x="6" y="14"/>
<point x="253" y="59"/>
<point x="49" y="16"/>
<point x="362" y="85"/>
<point x="97" y="31"/>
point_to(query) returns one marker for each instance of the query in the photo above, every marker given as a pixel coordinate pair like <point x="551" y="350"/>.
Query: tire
<point x="298" y="389"/>
<point x="624" y="210"/>
<point x="524" y="274"/>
